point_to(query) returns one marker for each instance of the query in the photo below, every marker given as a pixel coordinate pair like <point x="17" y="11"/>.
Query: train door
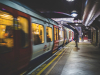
<point x="49" y="39"/>
<point x="61" y="36"/>
<point x="91" y="36"/>
<point x="65" y="37"/>
<point x="9" y="48"/>
<point x="69" y="35"/>
<point x="23" y="39"/>
<point x="96" y="36"/>
<point x="56" y="39"/>
<point x="72" y="35"/>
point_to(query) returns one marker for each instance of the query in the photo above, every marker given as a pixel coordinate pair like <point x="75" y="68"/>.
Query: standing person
<point x="76" y="39"/>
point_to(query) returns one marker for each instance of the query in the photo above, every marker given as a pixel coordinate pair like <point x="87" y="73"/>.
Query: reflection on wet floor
<point x="84" y="60"/>
<point x="76" y="49"/>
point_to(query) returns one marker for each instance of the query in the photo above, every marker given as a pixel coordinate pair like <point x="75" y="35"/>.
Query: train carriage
<point x="30" y="36"/>
<point x="26" y="36"/>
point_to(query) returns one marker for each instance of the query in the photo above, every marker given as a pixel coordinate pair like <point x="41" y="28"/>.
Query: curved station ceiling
<point x="87" y="10"/>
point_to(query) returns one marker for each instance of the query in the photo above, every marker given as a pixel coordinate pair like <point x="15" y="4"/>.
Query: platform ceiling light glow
<point x="74" y="14"/>
<point x="76" y="24"/>
<point x="70" y="0"/>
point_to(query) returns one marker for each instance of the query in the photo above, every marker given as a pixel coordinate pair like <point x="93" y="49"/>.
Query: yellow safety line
<point x="54" y="65"/>
<point x="22" y="73"/>
<point x="49" y="63"/>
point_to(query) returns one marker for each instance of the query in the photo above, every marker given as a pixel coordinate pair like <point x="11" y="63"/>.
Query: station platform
<point x="84" y="60"/>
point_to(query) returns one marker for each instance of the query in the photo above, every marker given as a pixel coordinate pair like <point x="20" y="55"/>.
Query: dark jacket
<point x="76" y="37"/>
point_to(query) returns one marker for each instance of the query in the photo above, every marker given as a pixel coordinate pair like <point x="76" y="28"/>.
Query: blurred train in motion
<point x="25" y="35"/>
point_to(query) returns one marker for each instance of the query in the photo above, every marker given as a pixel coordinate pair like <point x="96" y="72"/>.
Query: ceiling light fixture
<point x="74" y="14"/>
<point x="76" y="24"/>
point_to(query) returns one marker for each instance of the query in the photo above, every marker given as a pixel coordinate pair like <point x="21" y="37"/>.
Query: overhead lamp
<point x="69" y="0"/>
<point x="76" y="24"/>
<point x="74" y="14"/>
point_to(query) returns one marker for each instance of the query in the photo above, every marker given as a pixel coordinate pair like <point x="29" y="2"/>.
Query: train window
<point x="69" y="34"/>
<point x="49" y="34"/>
<point x="6" y="32"/>
<point x="55" y="33"/>
<point x="37" y="33"/>
<point x="66" y="34"/>
<point x="61" y="35"/>
<point x="23" y="25"/>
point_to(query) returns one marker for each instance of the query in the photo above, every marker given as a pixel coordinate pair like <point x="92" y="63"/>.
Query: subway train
<point x="27" y="37"/>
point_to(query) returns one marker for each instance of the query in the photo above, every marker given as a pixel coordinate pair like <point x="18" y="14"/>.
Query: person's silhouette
<point x="76" y="39"/>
